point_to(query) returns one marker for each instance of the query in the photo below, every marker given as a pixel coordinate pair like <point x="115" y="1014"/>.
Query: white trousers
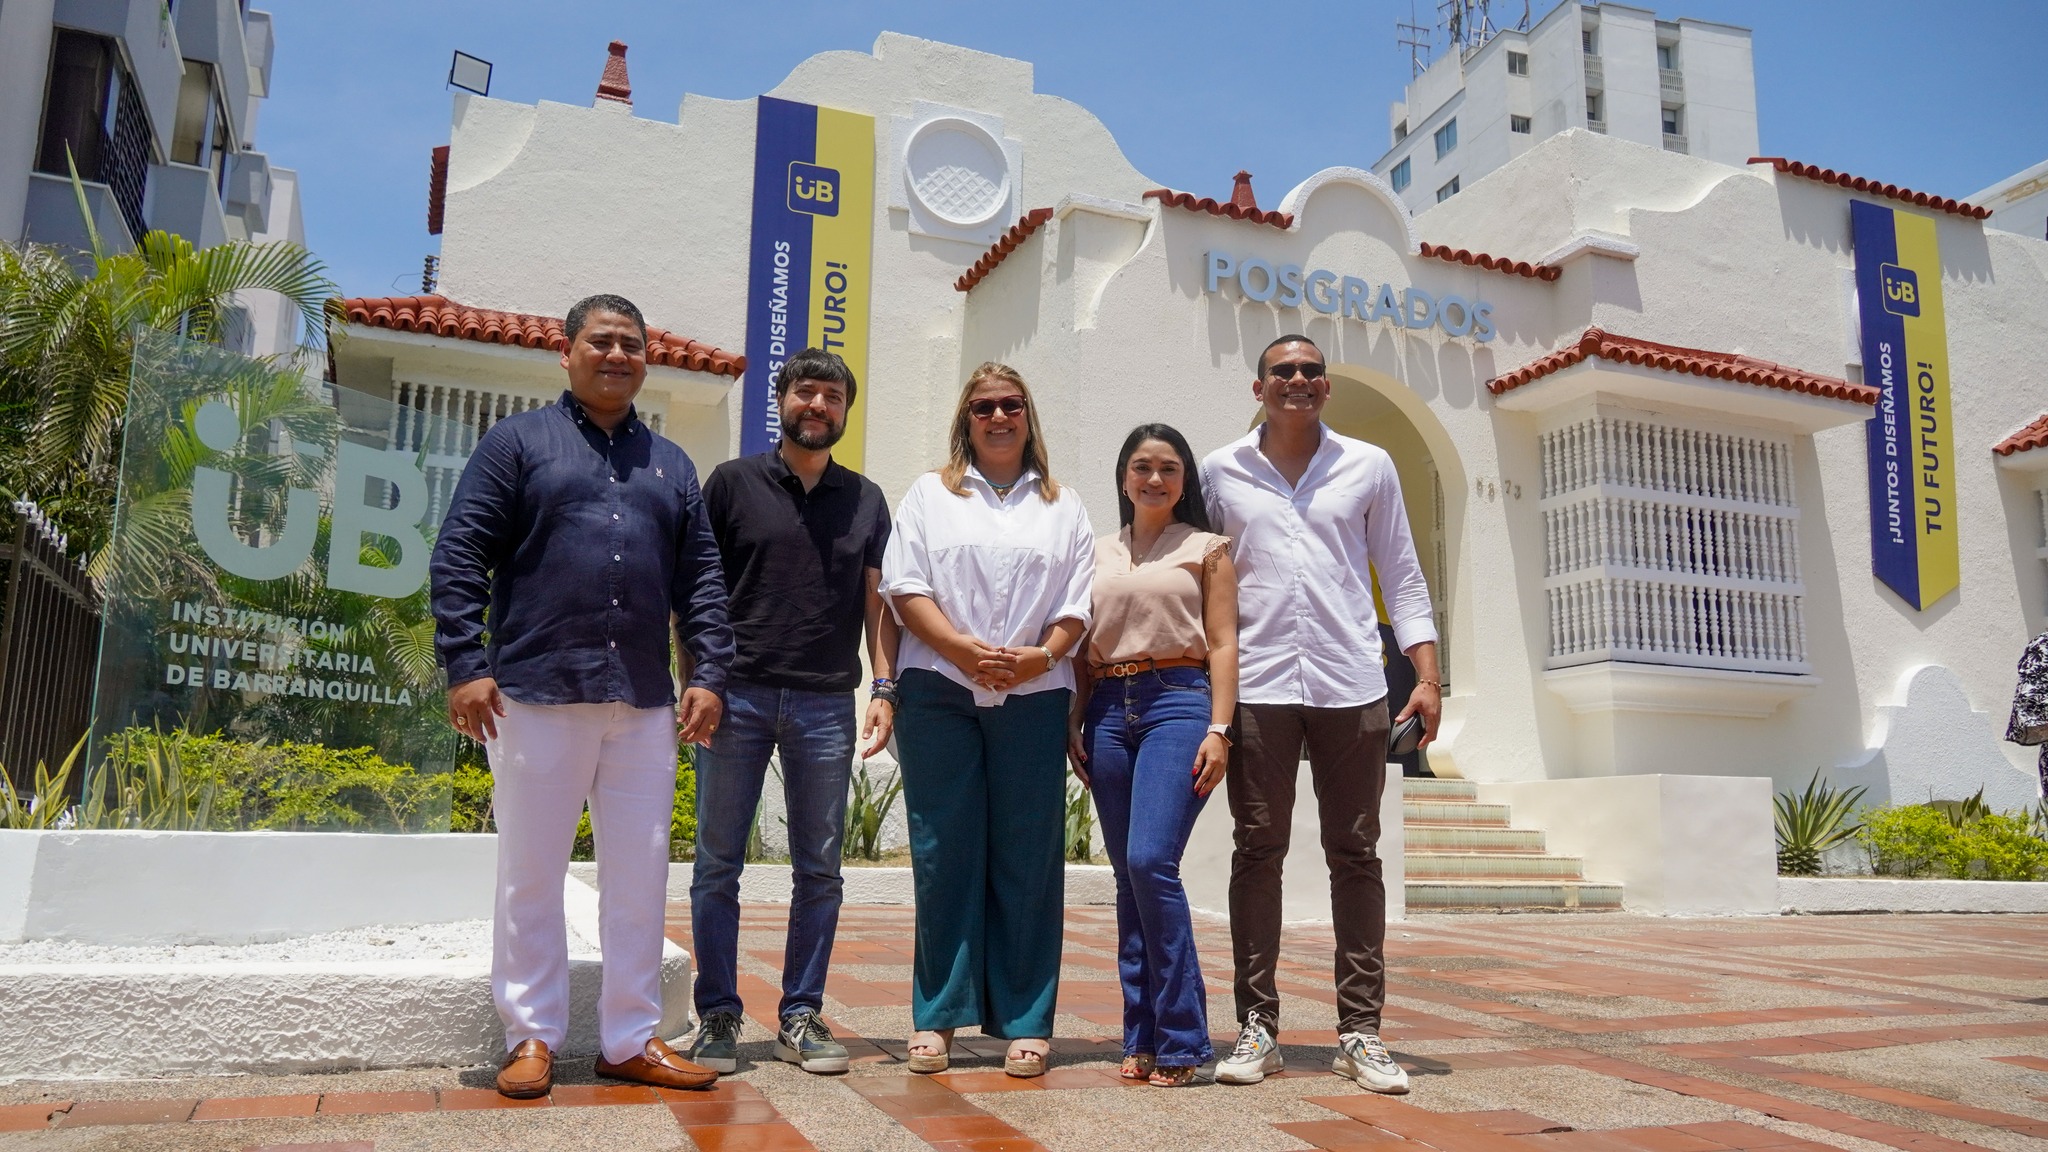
<point x="546" y="762"/>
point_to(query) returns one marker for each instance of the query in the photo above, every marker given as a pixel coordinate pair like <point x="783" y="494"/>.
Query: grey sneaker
<point x="1362" y="1057"/>
<point x="1255" y="1054"/>
<point x="805" y="1042"/>
<point x="717" y="1044"/>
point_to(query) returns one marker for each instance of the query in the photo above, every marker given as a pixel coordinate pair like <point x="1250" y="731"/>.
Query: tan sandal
<point x="937" y="1062"/>
<point x="1173" y="1076"/>
<point x="1136" y="1067"/>
<point x="1025" y="1064"/>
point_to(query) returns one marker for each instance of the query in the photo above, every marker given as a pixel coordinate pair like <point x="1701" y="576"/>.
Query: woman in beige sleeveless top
<point x="1151" y="735"/>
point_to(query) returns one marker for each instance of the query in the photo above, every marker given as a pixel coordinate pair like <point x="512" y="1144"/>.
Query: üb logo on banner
<point x="1901" y="290"/>
<point x="813" y="190"/>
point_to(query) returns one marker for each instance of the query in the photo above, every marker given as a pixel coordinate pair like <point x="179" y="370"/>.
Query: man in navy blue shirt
<point x="574" y="534"/>
<point x="801" y="537"/>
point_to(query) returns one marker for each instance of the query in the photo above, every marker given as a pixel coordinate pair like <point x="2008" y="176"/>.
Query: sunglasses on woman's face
<point x="1286" y="371"/>
<point x="986" y="409"/>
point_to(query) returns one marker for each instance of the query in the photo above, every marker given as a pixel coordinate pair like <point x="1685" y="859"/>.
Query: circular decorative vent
<point x="957" y="171"/>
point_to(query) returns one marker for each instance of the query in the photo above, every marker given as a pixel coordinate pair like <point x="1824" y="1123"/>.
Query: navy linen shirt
<point x="796" y="564"/>
<point x="581" y="545"/>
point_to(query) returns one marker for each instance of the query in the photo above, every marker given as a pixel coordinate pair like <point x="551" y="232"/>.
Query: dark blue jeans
<point x="814" y="732"/>
<point x="1142" y="734"/>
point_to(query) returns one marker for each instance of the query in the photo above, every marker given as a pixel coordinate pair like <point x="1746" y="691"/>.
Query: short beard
<point x="792" y="430"/>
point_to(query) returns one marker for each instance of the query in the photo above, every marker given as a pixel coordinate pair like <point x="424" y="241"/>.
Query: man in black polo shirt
<point x="801" y="539"/>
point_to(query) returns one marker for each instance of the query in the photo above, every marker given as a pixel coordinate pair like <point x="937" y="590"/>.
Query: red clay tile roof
<point x="437" y="190"/>
<point x="2034" y="435"/>
<point x="1858" y="183"/>
<point x="1242" y="205"/>
<point x="1495" y="263"/>
<point x="1009" y="242"/>
<point x="1693" y="361"/>
<point x="613" y="85"/>
<point x="440" y="316"/>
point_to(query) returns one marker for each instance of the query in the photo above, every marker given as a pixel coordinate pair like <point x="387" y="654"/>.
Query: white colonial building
<point x="1622" y="383"/>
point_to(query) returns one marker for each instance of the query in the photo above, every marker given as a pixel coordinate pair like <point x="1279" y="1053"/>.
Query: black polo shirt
<point x="796" y="568"/>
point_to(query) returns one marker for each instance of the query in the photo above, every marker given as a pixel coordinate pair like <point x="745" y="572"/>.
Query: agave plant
<point x="1080" y="823"/>
<point x="1811" y="822"/>
<point x="867" y="809"/>
<point x="43" y="806"/>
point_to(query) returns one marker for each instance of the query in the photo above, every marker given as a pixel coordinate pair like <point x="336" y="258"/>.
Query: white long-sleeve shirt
<point x="1306" y="629"/>
<point x="1000" y="568"/>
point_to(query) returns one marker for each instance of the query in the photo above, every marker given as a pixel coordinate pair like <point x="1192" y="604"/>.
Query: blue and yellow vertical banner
<point x="1912" y="440"/>
<point x="813" y="240"/>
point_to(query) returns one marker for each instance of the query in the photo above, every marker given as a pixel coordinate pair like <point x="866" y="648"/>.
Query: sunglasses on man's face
<point x="1287" y="371"/>
<point x="986" y="409"/>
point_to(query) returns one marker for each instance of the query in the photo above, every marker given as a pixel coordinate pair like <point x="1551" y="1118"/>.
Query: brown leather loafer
<point x="659" y="1065"/>
<point x="528" y="1071"/>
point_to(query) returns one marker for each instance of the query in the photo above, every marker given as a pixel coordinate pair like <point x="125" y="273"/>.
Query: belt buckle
<point x="1127" y="668"/>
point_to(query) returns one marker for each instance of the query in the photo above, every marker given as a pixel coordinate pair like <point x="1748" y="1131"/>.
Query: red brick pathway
<point x="1924" y="1034"/>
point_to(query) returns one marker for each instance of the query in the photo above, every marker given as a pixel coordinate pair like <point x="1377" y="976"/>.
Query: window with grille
<point x="1675" y="545"/>
<point x="1519" y="124"/>
<point x="94" y="118"/>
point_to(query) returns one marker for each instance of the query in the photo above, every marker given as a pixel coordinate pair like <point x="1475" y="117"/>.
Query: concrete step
<point x="1464" y="838"/>
<point x="1430" y="788"/>
<point x="1415" y="812"/>
<point x="1504" y="895"/>
<point x="1491" y="866"/>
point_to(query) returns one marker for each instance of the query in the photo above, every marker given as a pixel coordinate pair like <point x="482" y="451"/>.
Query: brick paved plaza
<point x="1567" y="1033"/>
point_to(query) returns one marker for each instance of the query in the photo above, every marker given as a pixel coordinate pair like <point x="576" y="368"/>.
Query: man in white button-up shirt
<point x="1310" y="515"/>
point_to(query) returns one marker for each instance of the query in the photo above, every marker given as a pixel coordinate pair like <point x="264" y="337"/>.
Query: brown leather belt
<point x="1133" y="667"/>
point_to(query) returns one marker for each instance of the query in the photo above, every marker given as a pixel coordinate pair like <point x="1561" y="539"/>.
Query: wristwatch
<point x="1227" y="731"/>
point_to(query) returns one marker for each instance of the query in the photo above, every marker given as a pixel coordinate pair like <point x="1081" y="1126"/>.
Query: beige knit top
<point x="1150" y="606"/>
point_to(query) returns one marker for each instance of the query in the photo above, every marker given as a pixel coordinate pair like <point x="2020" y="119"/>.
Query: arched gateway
<point x="1646" y="385"/>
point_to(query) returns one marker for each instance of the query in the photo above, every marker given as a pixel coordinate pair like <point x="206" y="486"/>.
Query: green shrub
<point x="1905" y="840"/>
<point x="1960" y="840"/>
<point x="1996" y="846"/>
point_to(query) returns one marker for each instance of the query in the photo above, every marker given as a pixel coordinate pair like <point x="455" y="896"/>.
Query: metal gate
<point x="49" y="636"/>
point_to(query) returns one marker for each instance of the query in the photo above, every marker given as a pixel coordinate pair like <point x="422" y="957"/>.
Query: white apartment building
<point x="2019" y="203"/>
<point x="1682" y="86"/>
<point x="155" y="102"/>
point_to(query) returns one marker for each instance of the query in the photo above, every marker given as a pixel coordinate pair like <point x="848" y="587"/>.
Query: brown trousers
<point x="1347" y="755"/>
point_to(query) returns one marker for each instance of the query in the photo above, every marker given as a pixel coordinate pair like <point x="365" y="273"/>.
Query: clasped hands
<point x="998" y="669"/>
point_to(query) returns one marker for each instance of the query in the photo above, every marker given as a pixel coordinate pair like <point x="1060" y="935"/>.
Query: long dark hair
<point x="1191" y="510"/>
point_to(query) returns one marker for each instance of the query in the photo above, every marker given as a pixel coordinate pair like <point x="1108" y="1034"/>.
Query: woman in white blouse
<point x="990" y="568"/>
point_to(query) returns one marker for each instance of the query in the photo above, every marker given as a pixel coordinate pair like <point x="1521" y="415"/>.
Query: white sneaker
<point x="1362" y="1057"/>
<point x="1255" y="1054"/>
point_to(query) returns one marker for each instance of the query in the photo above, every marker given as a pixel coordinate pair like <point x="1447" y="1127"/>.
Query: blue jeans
<point x="814" y="732"/>
<point x="1142" y="734"/>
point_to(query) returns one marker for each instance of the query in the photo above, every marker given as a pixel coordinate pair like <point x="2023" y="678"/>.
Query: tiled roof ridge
<point x="1873" y="187"/>
<point x="2034" y="434"/>
<point x="1005" y="244"/>
<point x="439" y="316"/>
<point x="1693" y="361"/>
<point x="1502" y="264"/>
<point x="1193" y="203"/>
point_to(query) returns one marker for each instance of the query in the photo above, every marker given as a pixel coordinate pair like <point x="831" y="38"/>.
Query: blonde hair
<point x="960" y="448"/>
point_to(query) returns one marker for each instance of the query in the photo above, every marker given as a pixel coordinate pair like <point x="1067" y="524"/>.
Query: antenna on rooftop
<point x="1416" y="38"/>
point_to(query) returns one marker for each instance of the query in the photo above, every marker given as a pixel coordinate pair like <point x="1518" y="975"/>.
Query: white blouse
<point x="1001" y="569"/>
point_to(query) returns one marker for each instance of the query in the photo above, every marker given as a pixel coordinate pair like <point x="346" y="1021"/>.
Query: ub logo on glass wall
<point x="268" y="566"/>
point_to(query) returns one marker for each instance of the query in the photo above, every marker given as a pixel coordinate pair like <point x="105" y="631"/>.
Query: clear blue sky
<point x="1942" y="97"/>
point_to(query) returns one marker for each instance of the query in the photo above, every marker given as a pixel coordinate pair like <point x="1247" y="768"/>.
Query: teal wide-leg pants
<point x="985" y="789"/>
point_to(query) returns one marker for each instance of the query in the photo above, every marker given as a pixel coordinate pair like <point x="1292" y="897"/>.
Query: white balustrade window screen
<point x="1671" y="545"/>
<point x="444" y="423"/>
